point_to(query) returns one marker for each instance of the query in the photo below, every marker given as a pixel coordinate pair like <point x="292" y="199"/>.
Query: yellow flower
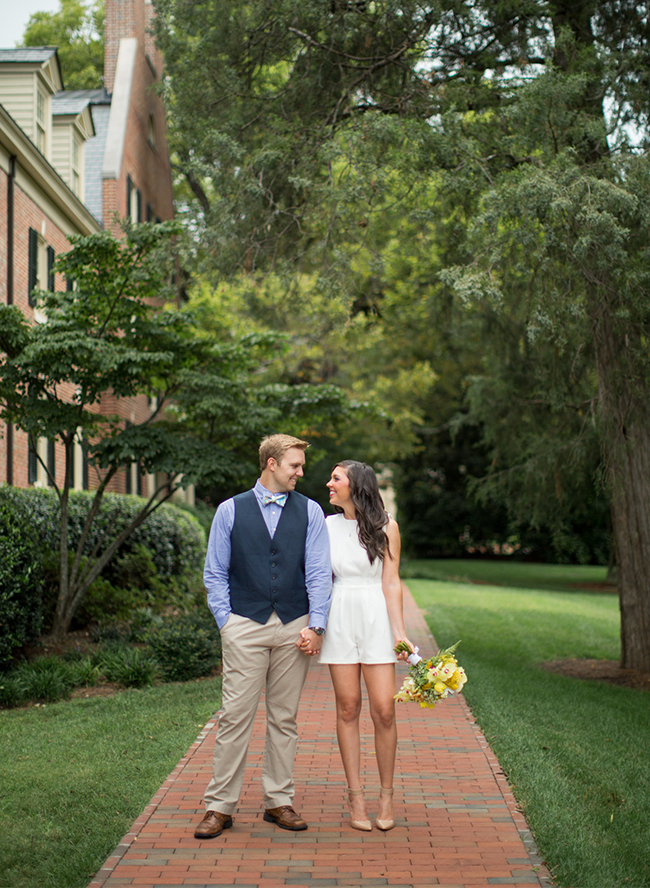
<point x="440" y="688"/>
<point x="460" y="677"/>
<point x="446" y="671"/>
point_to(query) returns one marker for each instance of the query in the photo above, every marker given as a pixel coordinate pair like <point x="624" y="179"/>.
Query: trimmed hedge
<point x="20" y="578"/>
<point x="186" y="647"/>
<point x="158" y="565"/>
<point x="175" y="538"/>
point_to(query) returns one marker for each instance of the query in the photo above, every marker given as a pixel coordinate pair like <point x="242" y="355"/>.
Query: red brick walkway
<point x="457" y="821"/>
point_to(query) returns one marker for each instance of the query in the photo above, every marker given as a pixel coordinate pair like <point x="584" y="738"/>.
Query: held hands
<point x="309" y="643"/>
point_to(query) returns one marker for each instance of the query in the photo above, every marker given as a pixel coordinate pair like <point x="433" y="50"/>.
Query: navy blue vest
<point x="267" y="574"/>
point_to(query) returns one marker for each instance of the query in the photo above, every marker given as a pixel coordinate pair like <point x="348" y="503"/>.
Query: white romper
<point x="358" y="628"/>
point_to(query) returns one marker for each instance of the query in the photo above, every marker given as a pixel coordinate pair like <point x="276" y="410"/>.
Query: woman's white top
<point x="358" y="628"/>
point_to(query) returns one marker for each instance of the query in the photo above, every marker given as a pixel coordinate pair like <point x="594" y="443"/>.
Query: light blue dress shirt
<point x="318" y="569"/>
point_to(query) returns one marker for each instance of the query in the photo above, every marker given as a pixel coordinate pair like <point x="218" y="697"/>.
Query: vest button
<point x="274" y="576"/>
<point x="273" y="564"/>
<point x="272" y="551"/>
<point x="274" y="590"/>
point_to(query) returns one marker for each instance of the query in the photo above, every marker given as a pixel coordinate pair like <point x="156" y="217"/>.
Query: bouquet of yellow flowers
<point x="430" y="680"/>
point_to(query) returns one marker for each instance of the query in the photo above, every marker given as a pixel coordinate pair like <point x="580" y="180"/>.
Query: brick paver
<point x="457" y="822"/>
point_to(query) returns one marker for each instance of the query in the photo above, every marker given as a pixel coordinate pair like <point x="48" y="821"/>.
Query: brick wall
<point x="124" y="18"/>
<point x="148" y="166"/>
<point x="3" y="243"/>
<point x="27" y="214"/>
<point x="149" y="43"/>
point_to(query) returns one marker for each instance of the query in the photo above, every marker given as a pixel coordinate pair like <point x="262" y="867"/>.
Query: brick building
<point x="74" y="162"/>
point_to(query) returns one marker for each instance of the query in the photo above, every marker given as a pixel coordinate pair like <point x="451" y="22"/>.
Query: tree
<point x="258" y="92"/>
<point x="562" y="232"/>
<point x="78" y="33"/>
<point x="110" y="337"/>
<point x="503" y="104"/>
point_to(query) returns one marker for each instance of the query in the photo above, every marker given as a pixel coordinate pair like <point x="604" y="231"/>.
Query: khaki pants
<point x="257" y="656"/>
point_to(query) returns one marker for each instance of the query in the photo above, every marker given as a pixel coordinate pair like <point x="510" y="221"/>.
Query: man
<point x="269" y="578"/>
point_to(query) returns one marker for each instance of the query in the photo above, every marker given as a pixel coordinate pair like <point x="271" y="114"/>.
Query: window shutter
<point x="84" y="465"/>
<point x="51" y="462"/>
<point x="129" y="189"/>
<point x="32" y="265"/>
<point x="128" y="487"/>
<point x="51" y="255"/>
<point x="32" y="463"/>
<point x="138" y="196"/>
<point x="71" y="467"/>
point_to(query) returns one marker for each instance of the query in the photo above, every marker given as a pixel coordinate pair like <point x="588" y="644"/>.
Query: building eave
<point x="44" y="175"/>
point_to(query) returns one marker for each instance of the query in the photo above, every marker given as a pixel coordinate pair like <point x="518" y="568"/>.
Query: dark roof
<point x="94" y="162"/>
<point x="27" y="54"/>
<point x="73" y="101"/>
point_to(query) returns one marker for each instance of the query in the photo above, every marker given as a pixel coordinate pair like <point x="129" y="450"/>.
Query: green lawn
<point x="522" y="574"/>
<point x="575" y="752"/>
<point x="75" y="775"/>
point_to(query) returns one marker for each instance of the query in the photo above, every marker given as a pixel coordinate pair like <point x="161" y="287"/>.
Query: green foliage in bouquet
<point x="430" y="680"/>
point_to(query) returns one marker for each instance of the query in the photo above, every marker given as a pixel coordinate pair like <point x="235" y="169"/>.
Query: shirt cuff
<point x="221" y="617"/>
<point x="317" y="619"/>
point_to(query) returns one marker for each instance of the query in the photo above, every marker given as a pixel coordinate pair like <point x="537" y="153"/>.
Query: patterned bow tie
<point x="279" y="498"/>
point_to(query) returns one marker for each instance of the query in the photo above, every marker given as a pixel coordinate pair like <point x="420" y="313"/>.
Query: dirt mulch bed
<point x="107" y="689"/>
<point x="73" y="641"/>
<point x="600" y="670"/>
<point x="610" y="588"/>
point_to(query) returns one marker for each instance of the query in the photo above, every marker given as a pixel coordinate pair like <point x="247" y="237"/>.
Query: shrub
<point x="47" y="678"/>
<point x="20" y="577"/>
<point x="84" y="673"/>
<point x="157" y="566"/>
<point x="131" y="631"/>
<point x="175" y="538"/>
<point x="203" y="513"/>
<point x="44" y="678"/>
<point x="10" y="692"/>
<point x="128" y="666"/>
<point x="186" y="647"/>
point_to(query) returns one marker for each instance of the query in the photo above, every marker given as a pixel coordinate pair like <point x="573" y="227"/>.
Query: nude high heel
<point x="363" y="825"/>
<point x="385" y="825"/>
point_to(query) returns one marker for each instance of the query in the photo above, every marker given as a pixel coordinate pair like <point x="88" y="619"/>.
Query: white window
<point x="76" y="168"/>
<point x="40" y="122"/>
<point x="151" y="132"/>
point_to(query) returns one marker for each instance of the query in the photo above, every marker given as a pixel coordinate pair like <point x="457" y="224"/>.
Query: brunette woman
<point x="365" y="623"/>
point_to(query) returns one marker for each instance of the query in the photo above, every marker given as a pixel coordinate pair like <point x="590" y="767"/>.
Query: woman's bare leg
<point x="346" y="679"/>
<point x="380" y="682"/>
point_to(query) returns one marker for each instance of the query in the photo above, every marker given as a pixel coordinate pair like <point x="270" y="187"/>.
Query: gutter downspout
<point x="11" y="180"/>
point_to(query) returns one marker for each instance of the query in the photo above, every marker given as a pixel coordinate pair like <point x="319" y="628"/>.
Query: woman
<point x="365" y="623"/>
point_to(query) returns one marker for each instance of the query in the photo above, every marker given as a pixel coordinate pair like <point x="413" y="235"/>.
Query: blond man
<point x="268" y="578"/>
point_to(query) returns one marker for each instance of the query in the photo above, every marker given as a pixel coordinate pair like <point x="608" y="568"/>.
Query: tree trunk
<point x="626" y="442"/>
<point x="62" y="615"/>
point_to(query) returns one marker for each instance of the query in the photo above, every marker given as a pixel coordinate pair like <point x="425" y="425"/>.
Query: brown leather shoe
<point x="284" y="817"/>
<point x="212" y="825"/>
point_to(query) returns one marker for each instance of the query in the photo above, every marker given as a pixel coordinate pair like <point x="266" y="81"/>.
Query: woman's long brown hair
<point x="369" y="508"/>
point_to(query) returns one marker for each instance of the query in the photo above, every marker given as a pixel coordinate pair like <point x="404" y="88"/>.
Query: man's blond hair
<point x="275" y="446"/>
